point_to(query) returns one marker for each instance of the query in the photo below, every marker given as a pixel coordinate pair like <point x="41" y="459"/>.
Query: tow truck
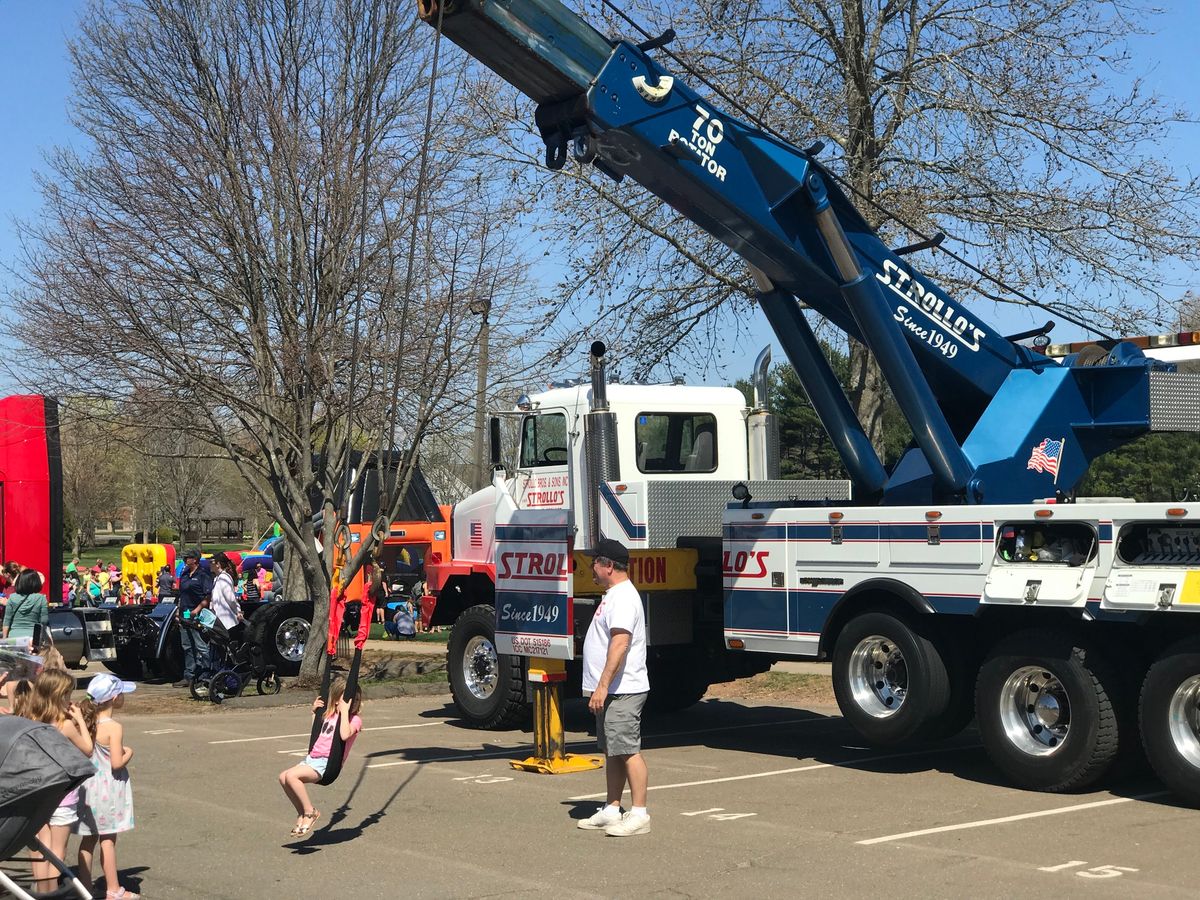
<point x="967" y="580"/>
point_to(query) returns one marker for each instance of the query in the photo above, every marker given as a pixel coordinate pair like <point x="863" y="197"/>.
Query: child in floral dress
<point x="107" y="808"/>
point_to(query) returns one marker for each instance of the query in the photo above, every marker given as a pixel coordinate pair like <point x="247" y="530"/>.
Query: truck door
<point x="543" y="476"/>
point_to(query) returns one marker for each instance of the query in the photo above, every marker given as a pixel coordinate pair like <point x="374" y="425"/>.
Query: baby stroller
<point x="235" y="660"/>
<point x="38" y="767"/>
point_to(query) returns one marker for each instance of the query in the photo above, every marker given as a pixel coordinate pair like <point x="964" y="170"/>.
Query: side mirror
<point x="494" y="441"/>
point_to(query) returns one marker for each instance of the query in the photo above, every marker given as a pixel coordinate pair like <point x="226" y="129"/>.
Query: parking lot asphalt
<point x="754" y="800"/>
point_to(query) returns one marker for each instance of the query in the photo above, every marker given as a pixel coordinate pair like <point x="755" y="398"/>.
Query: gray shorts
<point x="619" y="725"/>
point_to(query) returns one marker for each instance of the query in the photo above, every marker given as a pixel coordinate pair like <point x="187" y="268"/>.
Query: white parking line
<point x="983" y="823"/>
<point x="811" y="768"/>
<point x="277" y="737"/>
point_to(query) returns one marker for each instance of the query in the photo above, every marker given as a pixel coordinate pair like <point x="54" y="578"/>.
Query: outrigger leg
<point x="549" y="738"/>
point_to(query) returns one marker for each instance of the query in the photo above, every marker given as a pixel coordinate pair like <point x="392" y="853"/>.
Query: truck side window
<point x="676" y="442"/>
<point x="1159" y="543"/>
<point x="543" y="440"/>
<point x="1063" y="544"/>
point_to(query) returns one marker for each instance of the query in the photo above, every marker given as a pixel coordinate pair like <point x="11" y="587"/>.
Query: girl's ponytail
<point x="89" y="709"/>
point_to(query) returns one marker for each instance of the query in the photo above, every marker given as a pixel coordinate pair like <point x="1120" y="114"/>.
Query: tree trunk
<point x="867" y="393"/>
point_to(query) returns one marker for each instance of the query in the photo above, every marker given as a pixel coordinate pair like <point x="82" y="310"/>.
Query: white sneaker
<point x="629" y="824"/>
<point x="602" y="818"/>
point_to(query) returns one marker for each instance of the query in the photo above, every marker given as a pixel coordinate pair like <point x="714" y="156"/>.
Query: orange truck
<point x="408" y="547"/>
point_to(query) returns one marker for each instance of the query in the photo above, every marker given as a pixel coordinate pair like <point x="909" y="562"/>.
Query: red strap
<point x="337" y="611"/>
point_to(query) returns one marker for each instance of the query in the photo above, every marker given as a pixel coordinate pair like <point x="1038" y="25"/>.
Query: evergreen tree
<point x="804" y="446"/>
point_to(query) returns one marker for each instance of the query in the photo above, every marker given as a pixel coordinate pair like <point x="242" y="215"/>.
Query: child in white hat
<point x="107" y="808"/>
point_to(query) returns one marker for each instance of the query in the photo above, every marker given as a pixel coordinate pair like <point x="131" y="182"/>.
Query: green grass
<point x="377" y="634"/>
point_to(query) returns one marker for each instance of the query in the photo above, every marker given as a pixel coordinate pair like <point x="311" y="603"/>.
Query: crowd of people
<point x="101" y="584"/>
<point x="102" y="808"/>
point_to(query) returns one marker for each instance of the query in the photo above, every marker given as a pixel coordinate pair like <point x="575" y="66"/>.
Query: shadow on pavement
<point x="332" y="834"/>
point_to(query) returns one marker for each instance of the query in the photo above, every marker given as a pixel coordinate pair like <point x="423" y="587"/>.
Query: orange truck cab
<point x="408" y="548"/>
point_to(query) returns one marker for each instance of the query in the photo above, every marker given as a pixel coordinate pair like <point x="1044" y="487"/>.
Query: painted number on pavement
<point x="1093" y="872"/>
<point x="484" y="779"/>
<point x="718" y="813"/>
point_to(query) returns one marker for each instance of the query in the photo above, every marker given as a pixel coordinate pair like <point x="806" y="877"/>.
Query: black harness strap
<point x="336" y="750"/>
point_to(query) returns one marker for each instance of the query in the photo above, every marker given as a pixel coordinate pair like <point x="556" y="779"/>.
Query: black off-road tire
<point x="488" y="688"/>
<point x="127" y="666"/>
<point x="1168" y="716"/>
<point x="279" y="618"/>
<point x="901" y="654"/>
<point x="1086" y="689"/>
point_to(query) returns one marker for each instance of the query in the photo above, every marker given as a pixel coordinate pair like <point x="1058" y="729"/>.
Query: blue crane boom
<point x="978" y="403"/>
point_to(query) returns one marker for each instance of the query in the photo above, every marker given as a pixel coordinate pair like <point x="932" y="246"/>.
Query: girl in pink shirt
<point x="342" y="714"/>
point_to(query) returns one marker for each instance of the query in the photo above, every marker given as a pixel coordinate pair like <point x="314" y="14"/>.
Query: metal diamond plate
<point x="1174" y="401"/>
<point x="676" y="509"/>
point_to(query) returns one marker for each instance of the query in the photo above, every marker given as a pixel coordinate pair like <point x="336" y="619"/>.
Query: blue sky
<point x="35" y="80"/>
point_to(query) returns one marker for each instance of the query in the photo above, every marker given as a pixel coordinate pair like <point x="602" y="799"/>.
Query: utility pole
<point x="481" y="308"/>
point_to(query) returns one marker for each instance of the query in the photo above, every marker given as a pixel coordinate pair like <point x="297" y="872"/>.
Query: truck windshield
<point x="676" y="442"/>
<point x="543" y="440"/>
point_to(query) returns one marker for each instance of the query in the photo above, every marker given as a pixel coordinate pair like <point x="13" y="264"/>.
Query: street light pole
<point x="481" y="308"/>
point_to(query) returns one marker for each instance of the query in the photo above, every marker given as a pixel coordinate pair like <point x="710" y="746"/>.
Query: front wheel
<point x="890" y="679"/>
<point x="225" y="685"/>
<point x="1047" y="706"/>
<point x="488" y="687"/>
<point x="1169" y="714"/>
<point x="269" y="684"/>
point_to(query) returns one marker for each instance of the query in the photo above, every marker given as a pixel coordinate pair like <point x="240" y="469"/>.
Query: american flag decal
<point x="476" y="534"/>
<point x="1046" y="456"/>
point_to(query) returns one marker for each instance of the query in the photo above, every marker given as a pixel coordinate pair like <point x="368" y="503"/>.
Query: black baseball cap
<point x="191" y="553"/>
<point x="610" y="549"/>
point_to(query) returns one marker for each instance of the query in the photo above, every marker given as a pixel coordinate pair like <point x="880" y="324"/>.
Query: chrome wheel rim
<point x="1035" y="711"/>
<point x="481" y="667"/>
<point x="291" y="637"/>
<point x="878" y="676"/>
<point x="1183" y="719"/>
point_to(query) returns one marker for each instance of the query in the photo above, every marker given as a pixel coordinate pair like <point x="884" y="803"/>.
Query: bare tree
<point x="1020" y="129"/>
<point x="275" y="248"/>
<point x="94" y="466"/>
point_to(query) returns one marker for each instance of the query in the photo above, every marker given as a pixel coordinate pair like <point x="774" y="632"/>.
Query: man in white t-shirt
<point x="616" y="683"/>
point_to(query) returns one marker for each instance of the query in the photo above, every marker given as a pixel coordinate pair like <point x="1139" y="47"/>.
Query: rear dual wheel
<point x="1052" y="710"/>
<point x="1169" y="716"/>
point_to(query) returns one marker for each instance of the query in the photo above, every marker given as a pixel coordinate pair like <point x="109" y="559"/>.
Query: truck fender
<point x="886" y="592"/>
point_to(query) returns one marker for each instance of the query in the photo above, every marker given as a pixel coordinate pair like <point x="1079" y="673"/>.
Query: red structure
<point x="31" y="505"/>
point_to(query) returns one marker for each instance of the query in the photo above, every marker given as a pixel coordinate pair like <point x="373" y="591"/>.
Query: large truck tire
<point x="1049" y="710"/>
<point x="170" y="666"/>
<point x="890" y="678"/>
<point x="127" y="666"/>
<point x="674" y="685"/>
<point x="1169" y="716"/>
<point x="283" y="635"/>
<point x="488" y="687"/>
